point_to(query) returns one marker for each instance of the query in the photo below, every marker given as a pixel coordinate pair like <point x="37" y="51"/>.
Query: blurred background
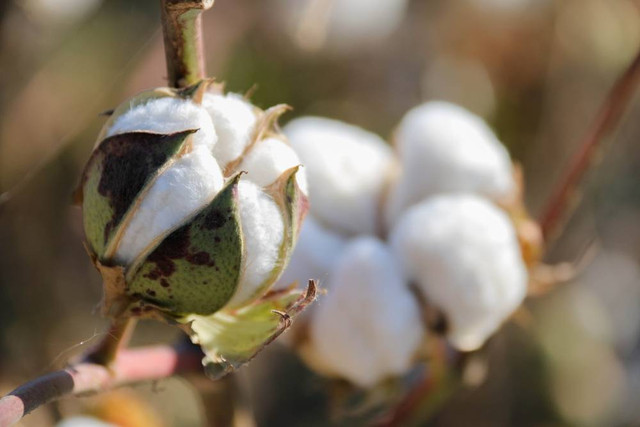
<point x="537" y="70"/>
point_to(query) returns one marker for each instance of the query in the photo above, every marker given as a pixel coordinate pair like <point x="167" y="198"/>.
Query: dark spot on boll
<point x="164" y="283"/>
<point x="129" y="160"/>
<point x="175" y="246"/>
<point x="151" y="292"/>
<point x="136" y="310"/>
<point x="199" y="258"/>
<point x="214" y="220"/>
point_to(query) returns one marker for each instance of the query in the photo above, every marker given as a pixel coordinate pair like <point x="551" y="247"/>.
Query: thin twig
<point x="182" y="28"/>
<point x="611" y="112"/>
<point x="130" y="366"/>
<point x="117" y="337"/>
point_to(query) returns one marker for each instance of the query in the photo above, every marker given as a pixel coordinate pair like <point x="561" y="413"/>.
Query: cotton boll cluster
<point x="447" y="204"/>
<point x="192" y="201"/>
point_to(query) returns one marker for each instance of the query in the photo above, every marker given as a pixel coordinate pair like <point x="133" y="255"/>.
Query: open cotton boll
<point x="369" y="326"/>
<point x="178" y="193"/>
<point x="263" y="230"/>
<point x="167" y="115"/>
<point x="233" y="118"/>
<point x="315" y="256"/>
<point x="83" y="421"/>
<point x="268" y="159"/>
<point x="346" y="169"/>
<point x="445" y="148"/>
<point x="462" y="252"/>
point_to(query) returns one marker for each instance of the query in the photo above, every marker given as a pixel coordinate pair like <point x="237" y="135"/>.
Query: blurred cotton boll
<point x="508" y="6"/>
<point x="445" y="148"/>
<point x="61" y="11"/>
<point x="341" y="24"/>
<point x="462" y="253"/>
<point x="83" y="421"/>
<point x="316" y="254"/>
<point x="347" y="170"/>
<point x="368" y="327"/>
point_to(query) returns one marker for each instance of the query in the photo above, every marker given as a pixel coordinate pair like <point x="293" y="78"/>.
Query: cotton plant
<point x="410" y="242"/>
<point x="192" y="202"/>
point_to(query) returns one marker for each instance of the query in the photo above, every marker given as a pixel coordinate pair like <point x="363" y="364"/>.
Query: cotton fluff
<point x="368" y="327"/>
<point x="83" y="421"/>
<point x="316" y="254"/>
<point x="268" y="159"/>
<point x="462" y="252"/>
<point x="346" y="168"/>
<point x="189" y="184"/>
<point x="263" y="231"/>
<point x="167" y="115"/>
<point x="234" y="119"/>
<point x="445" y="148"/>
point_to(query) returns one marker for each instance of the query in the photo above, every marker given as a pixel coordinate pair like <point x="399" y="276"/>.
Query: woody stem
<point x="182" y="29"/>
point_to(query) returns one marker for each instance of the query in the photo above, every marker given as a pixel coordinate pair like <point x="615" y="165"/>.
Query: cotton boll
<point x="83" y="421"/>
<point x="179" y="192"/>
<point x="341" y="24"/>
<point x="167" y="115"/>
<point x="268" y="160"/>
<point x="263" y="230"/>
<point x="315" y="256"/>
<point x="233" y="118"/>
<point x="463" y="253"/>
<point x="347" y="169"/>
<point x="368" y="327"/>
<point x="445" y="148"/>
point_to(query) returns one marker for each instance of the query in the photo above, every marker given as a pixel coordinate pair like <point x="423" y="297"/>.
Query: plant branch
<point x="116" y="338"/>
<point x="130" y="366"/>
<point x="182" y="28"/>
<point x="561" y="201"/>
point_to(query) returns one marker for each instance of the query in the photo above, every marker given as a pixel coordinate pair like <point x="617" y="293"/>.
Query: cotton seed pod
<point x="445" y="148"/>
<point x="347" y="168"/>
<point x="176" y="236"/>
<point x="368" y="327"/>
<point x="462" y="253"/>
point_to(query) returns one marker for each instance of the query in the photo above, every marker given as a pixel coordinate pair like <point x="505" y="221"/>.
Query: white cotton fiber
<point x="167" y="115"/>
<point x="368" y="327"/>
<point x="178" y="194"/>
<point x="263" y="231"/>
<point x="462" y="252"/>
<point x="233" y="118"/>
<point x="315" y="256"/>
<point x="268" y="159"/>
<point x="347" y="169"/>
<point x="83" y="421"/>
<point x="445" y="148"/>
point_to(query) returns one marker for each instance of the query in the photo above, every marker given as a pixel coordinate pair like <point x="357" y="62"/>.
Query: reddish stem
<point x="611" y="112"/>
<point x="130" y="366"/>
